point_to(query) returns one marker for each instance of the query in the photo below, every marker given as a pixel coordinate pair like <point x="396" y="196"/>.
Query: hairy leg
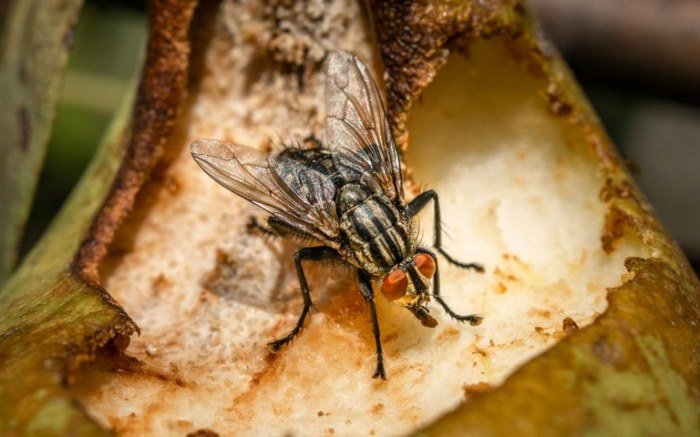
<point x="318" y="253"/>
<point x="365" y="285"/>
<point x="416" y="206"/>
<point x="473" y="319"/>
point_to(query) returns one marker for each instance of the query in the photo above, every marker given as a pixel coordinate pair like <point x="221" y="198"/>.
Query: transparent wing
<point x="357" y="130"/>
<point x="297" y="195"/>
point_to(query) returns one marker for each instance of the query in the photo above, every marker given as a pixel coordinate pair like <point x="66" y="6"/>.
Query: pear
<point x="590" y="310"/>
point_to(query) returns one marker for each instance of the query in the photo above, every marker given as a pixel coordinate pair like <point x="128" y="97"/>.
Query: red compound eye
<point x="395" y="285"/>
<point x="425" y="264"/>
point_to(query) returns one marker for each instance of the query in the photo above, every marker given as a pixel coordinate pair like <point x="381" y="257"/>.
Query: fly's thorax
<point x="317" y="159"/>
<point x="350" y="196"/>
<point x="373" y="232"/>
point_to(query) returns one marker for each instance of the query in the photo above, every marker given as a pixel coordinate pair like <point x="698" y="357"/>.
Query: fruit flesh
<point x="519" y="193"/>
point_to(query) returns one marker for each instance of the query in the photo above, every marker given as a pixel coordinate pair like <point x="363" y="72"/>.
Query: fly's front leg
<point x="473" y="319"/>
<point x="365" y="285"/>
<point x="304" y="254"/>
<point x="416" y="206"/>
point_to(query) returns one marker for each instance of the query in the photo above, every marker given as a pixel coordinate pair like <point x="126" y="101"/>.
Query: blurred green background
<point x="651" y="108"/>
<point x="107" y="52"/>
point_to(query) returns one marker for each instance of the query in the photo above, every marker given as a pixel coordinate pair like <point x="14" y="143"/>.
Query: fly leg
<point x="473" y="319"/>
<point x="253" y="225"/>
<point x="416" y="206"/>
<point x="318" y="253"/>
<point x="313" y="139"/>
<point x="278" y="228"/>
<point x="365" y="285"/>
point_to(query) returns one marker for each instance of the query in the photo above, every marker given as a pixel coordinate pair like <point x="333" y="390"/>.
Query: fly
<point x="346" y="197"/>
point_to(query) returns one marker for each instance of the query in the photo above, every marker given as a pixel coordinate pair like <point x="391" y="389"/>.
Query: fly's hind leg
<point x="416" y="206"/>
<point x="365" y="285"/>
<point x="473" y="319"/>
<point x="254" y="225"/>
<point x="278" y="228"/>
<point x="317" y="253"/>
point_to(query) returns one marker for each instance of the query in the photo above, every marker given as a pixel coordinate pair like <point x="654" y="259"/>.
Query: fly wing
<point x="357" y="130"/>
<point x="299" y="196"/>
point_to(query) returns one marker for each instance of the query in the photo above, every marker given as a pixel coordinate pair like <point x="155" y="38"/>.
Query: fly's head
<point x="408" y="284"/>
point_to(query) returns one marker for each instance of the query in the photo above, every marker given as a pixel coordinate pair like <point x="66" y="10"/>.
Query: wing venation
<point x="297" y="195"/>
<point x="357" y="130"/>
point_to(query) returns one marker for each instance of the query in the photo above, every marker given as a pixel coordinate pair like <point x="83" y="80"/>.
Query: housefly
<point x="346" y="197"/>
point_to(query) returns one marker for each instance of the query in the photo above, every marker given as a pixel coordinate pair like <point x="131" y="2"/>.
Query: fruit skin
<point x="632" y="372"/>
<point x="53" y="314"/>
<point x="636" y="369"/>
<point x="35" y="40"/>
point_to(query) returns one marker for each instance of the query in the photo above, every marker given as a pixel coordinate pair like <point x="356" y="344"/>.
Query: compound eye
<point x="395" y="285"/>
<point x="425" y="264"/>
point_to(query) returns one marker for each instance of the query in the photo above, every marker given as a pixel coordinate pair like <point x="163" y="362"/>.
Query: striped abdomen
<point x="372" y="231"/>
